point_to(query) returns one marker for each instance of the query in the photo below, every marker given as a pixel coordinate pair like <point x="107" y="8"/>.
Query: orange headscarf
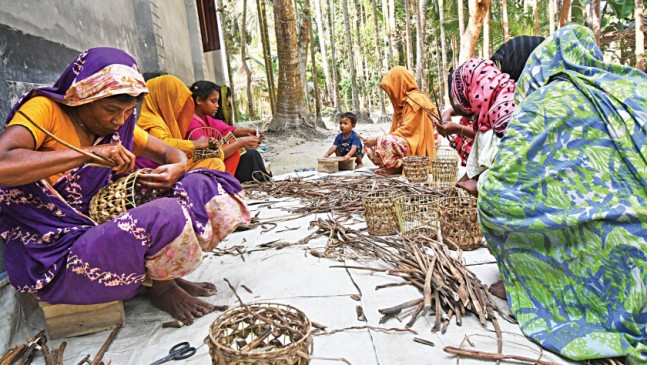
<point x="410" y="108"/>
<point x="167" y="111"/>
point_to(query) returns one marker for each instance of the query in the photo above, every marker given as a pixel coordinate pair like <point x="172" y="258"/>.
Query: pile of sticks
<point x="339" y="194"/>
<point x="448" y="288"/>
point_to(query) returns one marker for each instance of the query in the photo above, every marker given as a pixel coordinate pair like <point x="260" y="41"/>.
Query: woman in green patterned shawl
<point x="564" y="207"/>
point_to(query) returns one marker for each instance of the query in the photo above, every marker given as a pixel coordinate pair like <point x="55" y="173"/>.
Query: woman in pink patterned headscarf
<point x="483" y="95"/>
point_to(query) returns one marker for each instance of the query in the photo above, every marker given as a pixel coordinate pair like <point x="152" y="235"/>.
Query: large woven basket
<point x="126" y="193"/>
<point x="213" y="151"/>
<point x="459" y="223"/>
<point x="379" y="211"/>
<point x="260" y="334"/>
<point x="417" y="214"/>
<point x="416" y="169"/>
<point x="444" y="168"/>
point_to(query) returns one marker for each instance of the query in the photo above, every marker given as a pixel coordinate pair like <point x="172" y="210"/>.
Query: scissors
<point x="180" y="351"/>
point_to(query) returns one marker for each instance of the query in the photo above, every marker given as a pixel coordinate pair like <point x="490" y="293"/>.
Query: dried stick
<point x="106" y="345"/>
<point x="61" y="348"/>
<point x="378" y="329"/>
<point x="423" y="341"/>
<point x="13" y="353"/>
<point x="492" y="356"/>
<point x="86" y="359"/>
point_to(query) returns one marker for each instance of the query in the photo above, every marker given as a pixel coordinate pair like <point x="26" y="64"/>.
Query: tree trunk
<point x="335" y="79"/>
<point x="640" y="36"/>
<point x="565" y="13"/>
<point x="393" y="29"/>
<point x="443" y="47"/>
<point x="243" y="60"/>
<point x="267" y="57"/>
<point x="597" y="20"/>
<point x="422" y="24"/>
<point x="478" y="12"/>
<point x="290" y="108"/>
<point x="360" y="62"/>
<point x="351" y="58"/>
<point x="486" y="35"/>
<point x="304" y="47"/>
<point x="387" y="34"/>
<point x="230" y="71"/>
<point x="439" y="98"/>
<point x="321" y="31"/>
<point x="504" y="16"/>
<point x="379" y="55"/>
<point x="407" y="25"/>
<point x="461" y="18"/>
<point x="315" y="85"/>
<point x="535" y="17"/>
<point x="551" y="15"/>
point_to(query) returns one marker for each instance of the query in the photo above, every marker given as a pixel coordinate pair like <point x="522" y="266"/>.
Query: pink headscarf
<point x="478" y="88"/>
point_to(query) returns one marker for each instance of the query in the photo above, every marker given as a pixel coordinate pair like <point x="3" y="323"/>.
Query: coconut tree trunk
<point x="640" y="36"/>
<point x="407" y="26"/>
<point x="335" y="79"/>
<point x="387" y="35"/>
<point x="321" y="31"/>
<point x="269" y="74"/>
<point x="443" y="48"/>
<point x="565" y="13"/>
<point x="535" y="17"/>
<point x="551" y="15"/>
<point x="243" y="59"/>
<point x="379" y="55"/>
<point x="351" y="58"/>
<point x="486" y="35"/>
<point x="359" y="12"/>
<point x="315" y="85"/>
<point x="478" y="12"/>
<point x="597" y="20"/>
<point x="290" y="107"/>
<point x="461" y="17"/>
<point x="504" y="18"/>
<point x="304" y="47"/>
<point x="420" y="51"/>
<point x="230" y="72"/>
<point x="393" y="29"/>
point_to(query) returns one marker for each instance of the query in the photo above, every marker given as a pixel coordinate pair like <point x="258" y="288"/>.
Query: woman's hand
<point x="118" y="153"/>
<point x="202" y="142"/>
<point x="249" y="142"/>
<point x="447" y="114"/>
<point x="446" y="129"/>
<point x="370" y="141"/>
<point x="162" y="177"/>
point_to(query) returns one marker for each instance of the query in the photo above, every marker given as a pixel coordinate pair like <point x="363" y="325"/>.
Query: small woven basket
<point x="261" y="334"/>
<point x="459" y="225"/>
<point x="214" y="148"/>
<point x="379" y="211"/>
<point x="444" y="169"/>
<point x="417" y="215"/>
<point x="126" y="193"/>
<point x="416" y="169"/>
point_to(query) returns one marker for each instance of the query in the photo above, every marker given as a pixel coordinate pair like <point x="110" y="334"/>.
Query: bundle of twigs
<point x="339" y="194"/>
<point x="448" y="288"/>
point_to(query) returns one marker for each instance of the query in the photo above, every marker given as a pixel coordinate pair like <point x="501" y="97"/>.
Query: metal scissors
<point x="180" y="351"/>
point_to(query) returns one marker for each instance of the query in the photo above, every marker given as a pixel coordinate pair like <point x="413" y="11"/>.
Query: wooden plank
<point x="67" y="320"/>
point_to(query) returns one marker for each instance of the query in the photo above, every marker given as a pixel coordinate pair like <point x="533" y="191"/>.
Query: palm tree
<point x="422" y="24"/>
<point x="504" y="18"/>
<point x="393" y="29"/>
<point x="315" y="84"/>
<point x="461" y="17"/>
<point x="551" y="15"/>
<point x="335" y="79"/>
<point x="243" y="58"/>
<point x="486" y="35"/>
<point x="564" y="13"/>
<point x="351" y="59"/>
<point x="407" y="27"/>
<point x="379" y="54"/>
<point x="640" y="36"/>
<point x="535" y="16"/>
<point x="388" y="40"/>
<point x="478" y="12"/>
<point x="443" y="47"/>
<point x="267" y="56"/>
<point x="322" y="49"/>
<point x="229" y="49"/>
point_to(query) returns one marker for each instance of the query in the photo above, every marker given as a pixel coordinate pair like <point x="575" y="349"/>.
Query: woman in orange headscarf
<point x="412" y="130"/>
<point x="166" y="114"/>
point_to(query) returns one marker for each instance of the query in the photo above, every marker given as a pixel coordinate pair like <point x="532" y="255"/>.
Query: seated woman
<point x="480" y="92"/>
<point x="166" y="114"/>
<point x="246" y="167"/>
<point x="564" y="205"/>
<point x="224" y="105"/>
<point x="412" y="130"/>
<point x="53" y="248"/>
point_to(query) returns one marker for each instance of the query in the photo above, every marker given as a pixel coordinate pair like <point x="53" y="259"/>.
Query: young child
<point x="347" y="143"/>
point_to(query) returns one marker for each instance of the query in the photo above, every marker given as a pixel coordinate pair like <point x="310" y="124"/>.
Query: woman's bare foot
<point x="203" y="289"/>
<point x="389" y="171"/>
<point x="359" y="166"/>
<point x="498" y="290"/>
<point x="469" y="186"/>
<point x="171" y="298"/>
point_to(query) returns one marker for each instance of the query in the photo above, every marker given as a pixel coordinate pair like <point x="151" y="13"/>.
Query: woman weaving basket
<point x="53" y="249"/>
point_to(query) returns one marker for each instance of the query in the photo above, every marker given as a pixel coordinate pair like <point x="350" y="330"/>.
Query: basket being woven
<point x="459" y="225"/>
<point x="416" y="169"/>
<point x="260" y="334"/>
<point x="417" y="215"/>
<point x="379" y="211"/>
<point x="444" y="168"/>
<point x="126" y="193"/>
<point x="215" y="143"/>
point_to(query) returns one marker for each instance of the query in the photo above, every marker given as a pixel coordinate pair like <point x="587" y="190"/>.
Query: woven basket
<point x="458" y="218"/>
<point x="213" y="151"/>
<point x="417" y="215"/>
<point x="126" y="193"/>
<point x="238" y="337"/>
<point x="379" y="211"/>
<point x="444" y="169"/>
<point x="416" y="169"/>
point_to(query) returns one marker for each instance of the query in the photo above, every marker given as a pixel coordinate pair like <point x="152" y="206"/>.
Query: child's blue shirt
<point x="345" y="144"/>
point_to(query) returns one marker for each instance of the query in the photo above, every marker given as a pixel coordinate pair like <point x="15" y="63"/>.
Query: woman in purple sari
<point x="53" y="248"/>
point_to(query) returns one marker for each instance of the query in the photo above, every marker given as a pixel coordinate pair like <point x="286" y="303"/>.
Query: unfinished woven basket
<point x="459" y="225"/>
<point x="416" y="169"/>
<point x="417" y="215"/>
<point x="213" y="150"/>
<point x="444" y="168"/>
<point x="260" y="334"/>
<point x="379" y="211"/>
<point x="115" y="199"/>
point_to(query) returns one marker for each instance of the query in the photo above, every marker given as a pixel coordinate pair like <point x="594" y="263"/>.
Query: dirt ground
<point x="285" y="154"/>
